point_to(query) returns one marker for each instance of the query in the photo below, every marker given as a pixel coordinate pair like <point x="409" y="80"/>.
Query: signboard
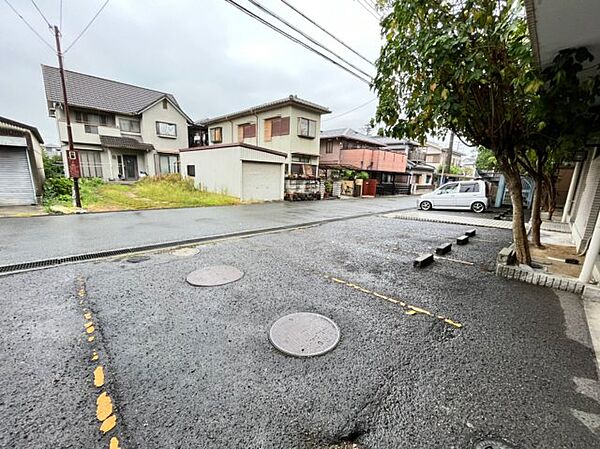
<point x="73" y="161"/>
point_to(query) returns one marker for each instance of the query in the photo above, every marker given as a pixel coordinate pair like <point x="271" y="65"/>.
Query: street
<point x="192" y="366"/>
<point x="56" y="236"/>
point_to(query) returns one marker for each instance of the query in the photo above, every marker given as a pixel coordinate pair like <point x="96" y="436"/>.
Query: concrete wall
<point x="218" y="170"/>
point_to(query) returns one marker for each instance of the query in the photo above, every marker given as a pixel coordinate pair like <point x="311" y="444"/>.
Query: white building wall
<point x="169" y="115"/>
<point x="218" y="170"/>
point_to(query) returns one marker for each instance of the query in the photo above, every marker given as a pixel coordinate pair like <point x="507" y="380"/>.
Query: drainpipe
<point x="571" y="194"/>
<point x="592" y="254"/>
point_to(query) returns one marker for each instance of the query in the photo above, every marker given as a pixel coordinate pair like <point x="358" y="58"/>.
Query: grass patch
<point x="162" y="192"/>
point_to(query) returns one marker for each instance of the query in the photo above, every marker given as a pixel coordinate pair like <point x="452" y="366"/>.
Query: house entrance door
<point x="130" y="165"/>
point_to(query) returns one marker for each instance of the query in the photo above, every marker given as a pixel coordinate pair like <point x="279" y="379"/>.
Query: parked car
<point x="457" y="195"/>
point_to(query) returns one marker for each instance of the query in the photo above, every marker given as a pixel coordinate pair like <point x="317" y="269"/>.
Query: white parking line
<point x="592" y="313"/>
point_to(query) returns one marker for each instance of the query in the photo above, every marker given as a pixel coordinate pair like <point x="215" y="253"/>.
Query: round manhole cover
<point x="185" y="252"/>
<point x="137" y="259"/>
<point x="492" y="444"/>
<point x="304" y="334"/>
<point x="213" y="276"/>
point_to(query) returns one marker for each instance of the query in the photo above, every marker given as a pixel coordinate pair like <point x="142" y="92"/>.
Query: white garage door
<point x="261" y="181"/>
<point x="16" y="188"/>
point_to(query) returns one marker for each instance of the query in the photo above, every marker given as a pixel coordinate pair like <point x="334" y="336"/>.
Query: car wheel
<point x="478" y="207"/>
<point x="425" y="205"/>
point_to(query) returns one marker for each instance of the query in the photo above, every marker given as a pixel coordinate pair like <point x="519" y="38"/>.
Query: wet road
<point x="193" y="367"/>
<point x="28" y="239"/>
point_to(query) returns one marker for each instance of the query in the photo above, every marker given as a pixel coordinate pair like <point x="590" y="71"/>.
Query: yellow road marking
<point x="88" y="324"/>
<point x="94" y="356"/>
<point x="87" y="316"/>
<point x="90" y="329"/>
<point x="412" y="310"/>
<point x="114" y="443"/>
<point x="108" y="424"/>
<point x="104" y="407"/>
<point x="99" y="376"/>
<point x="91" y="338"/>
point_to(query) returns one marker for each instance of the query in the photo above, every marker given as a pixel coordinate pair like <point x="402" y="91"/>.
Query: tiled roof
<point x="349" y="133"/>
<point x="92" y="92"/>
<point x="291" y="100"/>
<point x="125" y="143"/>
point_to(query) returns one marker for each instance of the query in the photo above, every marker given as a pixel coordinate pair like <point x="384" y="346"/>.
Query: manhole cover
<point x="492" y="444"/>
<point x="137" y="259"/>
<point x="215" y="275"/>
<point x="185" y="252"/>
<point x="304" y="334"/>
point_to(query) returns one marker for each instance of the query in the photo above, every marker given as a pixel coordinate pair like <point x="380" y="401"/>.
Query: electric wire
<point x="87" y="26"/>
<point x="30" y="27"/>
<point x="314" y="41"/>
<point x="325" y="30"/>
<point x="295" y="39"/>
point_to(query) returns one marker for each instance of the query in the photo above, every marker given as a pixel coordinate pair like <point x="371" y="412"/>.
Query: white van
<point x="457" y="195"/>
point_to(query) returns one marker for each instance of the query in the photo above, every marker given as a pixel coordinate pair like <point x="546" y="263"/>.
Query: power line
<point x="314" y="41"/>
<point x="325" y="30"/>
<point x="41" y="13"/>
<point x="30" y="27"/>
<point x="295" y="39"/>
<point x="349" y="111"/>
<point x="367" y="9"/>
<point x="87" y="26"/>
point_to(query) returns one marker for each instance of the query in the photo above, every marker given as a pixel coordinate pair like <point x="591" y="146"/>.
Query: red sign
<point x="73" y="159"/>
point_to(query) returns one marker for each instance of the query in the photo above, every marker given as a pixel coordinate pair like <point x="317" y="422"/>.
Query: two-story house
<point x="348" y="149"/>
<point x="290" y="125"/>
<point x="121" y="131"/>
<point x="259" y="152"/>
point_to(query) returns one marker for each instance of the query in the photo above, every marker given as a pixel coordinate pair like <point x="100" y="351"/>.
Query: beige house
<point x="21" y="164"/>
<point x="436" y="155"/>
<point x="121" y="131"/>
<point x="291" y="126"/>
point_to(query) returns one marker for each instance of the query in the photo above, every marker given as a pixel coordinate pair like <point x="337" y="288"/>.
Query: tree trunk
<point x="536" y="216"/>
<point x="513" y="180"/>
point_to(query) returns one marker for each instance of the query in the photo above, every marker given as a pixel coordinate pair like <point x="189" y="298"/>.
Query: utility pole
<point x="449" y="153"/>
<point x="72" y="154"/>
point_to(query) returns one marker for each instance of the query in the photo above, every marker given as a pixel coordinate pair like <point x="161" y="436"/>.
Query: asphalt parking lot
<point x="193" y="367"/>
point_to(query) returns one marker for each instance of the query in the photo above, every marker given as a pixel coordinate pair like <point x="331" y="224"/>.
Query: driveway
<point x="29" y="239"/>
<point x="193" y="367"/>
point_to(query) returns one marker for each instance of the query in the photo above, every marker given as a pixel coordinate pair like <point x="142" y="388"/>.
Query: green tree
<point x="465" y="66"/>
<point x="564" y="115"/>
<point x="485" y="159"/>
<point x="53" y="166"/>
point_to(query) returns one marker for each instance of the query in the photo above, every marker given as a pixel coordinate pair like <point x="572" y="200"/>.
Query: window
<point x="216" y="135"/>
<point x="449" y="188"/>
<point x="299" y="158"/>
<point x="168" y="164"/>
<point x="165" y="103"/>
<point x="246" y="131"/>
<point x="90" y="164"/>
<point x="470" y="187"/>
<point x="191" y="170"/>
<point x="91" y="129"/>
<point x="94" y="119"/>
<point x="276" y="126"/>
<point x="307" y="128"/>
<point x="166" y="129"/>
<point x="329" y="147"/>
<point x="129" y="125"/>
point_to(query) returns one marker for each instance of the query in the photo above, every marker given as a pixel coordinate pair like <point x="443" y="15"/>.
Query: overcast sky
<point x="211" y="56"/>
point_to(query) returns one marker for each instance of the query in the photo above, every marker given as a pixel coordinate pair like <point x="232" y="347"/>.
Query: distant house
<point x="121" y="131"/>
<point x="52" y="149"/>
<point x="21" y="165"/>
<point x="437" y="155"/>
<point x="348" y="149"/>
<point x="252" y="153"/>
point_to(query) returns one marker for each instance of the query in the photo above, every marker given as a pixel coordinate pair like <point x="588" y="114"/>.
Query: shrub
<point x="58" y="188"/>
<point x="53" y="166"/>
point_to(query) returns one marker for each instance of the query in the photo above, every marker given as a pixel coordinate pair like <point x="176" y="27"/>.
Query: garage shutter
<point x="261" y="181"/>
<point x="16" y="188"/>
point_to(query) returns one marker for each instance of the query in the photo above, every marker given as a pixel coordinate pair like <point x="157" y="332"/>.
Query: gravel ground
<point x="193" y="367"/>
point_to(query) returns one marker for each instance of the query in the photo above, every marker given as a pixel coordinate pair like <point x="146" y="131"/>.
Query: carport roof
<point x="30" y="128"/>
<point x="233" y="145"/>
